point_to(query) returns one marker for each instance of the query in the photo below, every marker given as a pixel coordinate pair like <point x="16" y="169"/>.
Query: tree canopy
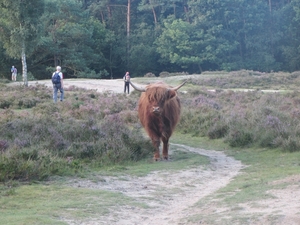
<point x="105" y="38"/>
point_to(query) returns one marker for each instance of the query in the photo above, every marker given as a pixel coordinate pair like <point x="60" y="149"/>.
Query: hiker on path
<point x="14" y="72"/>
<point x="126" y="79"/>
<point x="58" y="84"/>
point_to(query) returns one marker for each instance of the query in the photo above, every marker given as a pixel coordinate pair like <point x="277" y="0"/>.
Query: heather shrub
<point x="199" y="115"/>
<point x="110" y="141"/>
<point x="19" y="97"/>
<point x="149" y="75"/>
<point x="239" y="138"/>
<point x="120" y="142"/>
<point x="249" y="80"/>
<point x="3" y="81"/>
<point x="295" y="74"/>
<point x="189" y="123"/>
<point x="28" y="102"/>
<point x="54" y="139"/>
<point x="291" y="144"/>
<point x="167" y="74"/>
<point x="218" y="129"/>
<point x="164" y="74"/>
<point x="46" y="109"/>
<point x="31" y="163"/>
<point x="129" y="116"/>
<point x="4" y="104"/>
<point x="6" y="115"/>
<point x="39" y="138"/>
<point x="243" y="119"/>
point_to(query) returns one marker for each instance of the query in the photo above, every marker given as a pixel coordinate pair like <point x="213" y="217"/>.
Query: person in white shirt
<point x="58" y="84"/>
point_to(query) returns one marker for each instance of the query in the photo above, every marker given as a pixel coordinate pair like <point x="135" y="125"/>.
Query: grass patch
<point x="199" y="142"/>
<point x="53" y="204"/>
<point x="179" y="160"/>
<point x="263" y="167"/>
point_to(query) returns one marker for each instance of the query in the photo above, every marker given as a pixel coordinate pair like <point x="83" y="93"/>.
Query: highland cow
<point x="159" y="112"/>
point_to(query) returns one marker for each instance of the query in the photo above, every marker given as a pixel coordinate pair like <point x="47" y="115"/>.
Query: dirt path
<point x="116" y="85"/>
<point x="170" y="196"/>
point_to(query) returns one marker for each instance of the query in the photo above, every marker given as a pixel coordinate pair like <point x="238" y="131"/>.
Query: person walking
<point x="58" y="84"/>
<point x="126" y="79"/>
<point x="14" y="72"/>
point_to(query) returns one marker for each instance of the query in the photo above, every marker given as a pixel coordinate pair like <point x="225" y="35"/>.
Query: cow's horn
<point x="137" y="88"/>
<point x="176" y="88"/>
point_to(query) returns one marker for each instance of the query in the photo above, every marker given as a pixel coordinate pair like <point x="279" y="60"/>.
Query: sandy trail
<point x="109" y="85"/>
<point x="169" y="195"/>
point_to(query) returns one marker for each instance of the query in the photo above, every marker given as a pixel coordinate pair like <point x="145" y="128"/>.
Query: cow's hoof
<point x="166" y="158"/>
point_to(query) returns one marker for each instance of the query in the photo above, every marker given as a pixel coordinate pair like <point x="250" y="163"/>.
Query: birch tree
<point x="19" y="28"/>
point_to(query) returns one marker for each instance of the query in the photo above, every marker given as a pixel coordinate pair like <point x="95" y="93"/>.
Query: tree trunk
<point x="128" y="18"/>
<point x="154" y="14"/>
<point x="186" y="14"/>
<point x="128" y="30"/>
<point x="110" y="61"/>
<point x="24" y="66"/>
<point x="200" y="68"/>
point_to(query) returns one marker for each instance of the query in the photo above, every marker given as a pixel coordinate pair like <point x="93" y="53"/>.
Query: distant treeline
<point x="105" y="38"/>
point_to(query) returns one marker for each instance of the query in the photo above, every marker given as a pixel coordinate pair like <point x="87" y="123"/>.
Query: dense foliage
<point x="103" y="39"/>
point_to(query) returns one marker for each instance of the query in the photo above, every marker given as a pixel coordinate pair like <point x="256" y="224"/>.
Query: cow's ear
<point x="172" y="93"/>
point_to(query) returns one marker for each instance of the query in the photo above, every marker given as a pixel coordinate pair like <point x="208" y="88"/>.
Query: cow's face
<point x="158" y="97"/>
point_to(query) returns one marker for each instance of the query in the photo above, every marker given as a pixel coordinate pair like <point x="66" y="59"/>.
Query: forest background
<point x="105" y="38"/>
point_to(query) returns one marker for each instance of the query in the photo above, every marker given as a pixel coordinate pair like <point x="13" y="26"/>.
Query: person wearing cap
<point x="58" y="86"/>
<point x="126" y="79"/>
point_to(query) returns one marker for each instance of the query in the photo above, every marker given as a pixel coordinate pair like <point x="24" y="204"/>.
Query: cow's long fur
<point x="159" y="126"/>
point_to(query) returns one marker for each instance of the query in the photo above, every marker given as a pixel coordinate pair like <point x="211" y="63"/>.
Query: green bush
<point x="239" y="138"/>
<point x="4" y="104"/>
<point x="28" y="164"/>
<point x="218" y="129"/>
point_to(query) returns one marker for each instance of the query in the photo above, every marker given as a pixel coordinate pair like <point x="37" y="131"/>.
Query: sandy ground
<point x="116" y="85"/>
<point x="171" y="197"/>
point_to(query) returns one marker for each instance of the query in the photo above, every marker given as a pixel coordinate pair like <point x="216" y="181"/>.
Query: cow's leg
<point x="165" y="148"/>
<point x="156" y="143"/>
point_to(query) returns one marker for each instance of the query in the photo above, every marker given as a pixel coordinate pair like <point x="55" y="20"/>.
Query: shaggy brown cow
<point x="159" y="112"/>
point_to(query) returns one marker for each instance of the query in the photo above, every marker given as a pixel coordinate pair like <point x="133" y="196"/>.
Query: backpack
<point x="56" y="78"/>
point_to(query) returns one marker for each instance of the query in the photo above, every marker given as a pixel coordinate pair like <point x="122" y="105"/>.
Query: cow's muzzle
<point x="155" y="109"/>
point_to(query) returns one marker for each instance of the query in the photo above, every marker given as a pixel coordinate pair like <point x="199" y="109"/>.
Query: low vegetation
<point x="245" y="118"/>
<point x="39" y="138"/>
